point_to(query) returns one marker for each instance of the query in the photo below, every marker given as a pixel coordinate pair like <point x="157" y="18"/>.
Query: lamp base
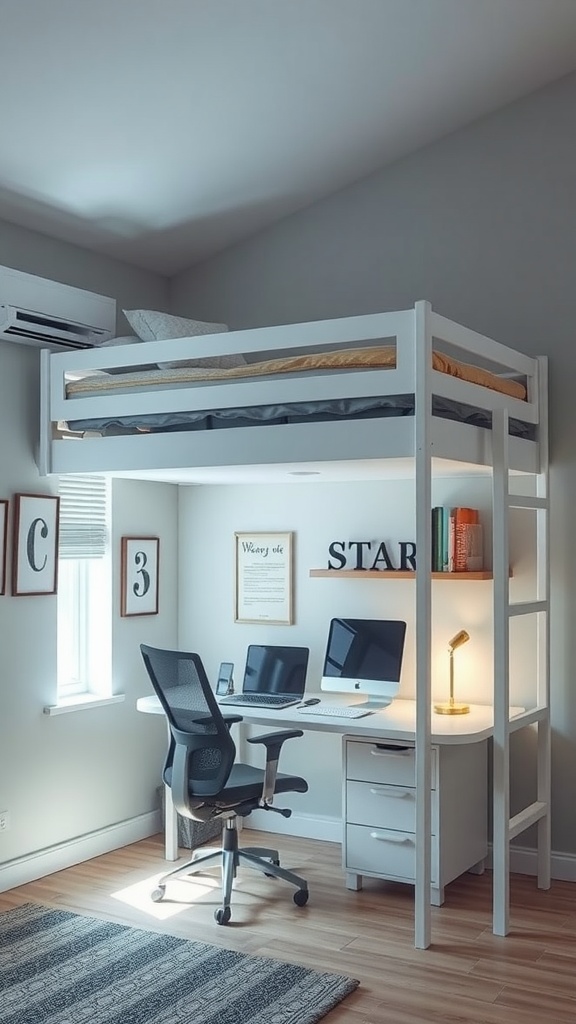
<point x="451" y="707"/>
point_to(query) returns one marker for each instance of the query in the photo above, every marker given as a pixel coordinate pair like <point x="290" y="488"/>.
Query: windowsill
<point x="82" y="703"/>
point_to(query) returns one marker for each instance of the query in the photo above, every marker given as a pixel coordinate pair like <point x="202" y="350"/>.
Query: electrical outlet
<point x="4" y="821"/>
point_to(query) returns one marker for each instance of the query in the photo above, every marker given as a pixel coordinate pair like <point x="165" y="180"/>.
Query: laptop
<point x="274" y="677"/>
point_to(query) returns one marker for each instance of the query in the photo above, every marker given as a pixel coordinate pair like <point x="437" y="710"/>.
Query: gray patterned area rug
<point x="63" y="968"/>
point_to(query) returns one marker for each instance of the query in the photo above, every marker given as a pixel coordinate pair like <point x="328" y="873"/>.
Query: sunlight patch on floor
<point x="181" y="894"/>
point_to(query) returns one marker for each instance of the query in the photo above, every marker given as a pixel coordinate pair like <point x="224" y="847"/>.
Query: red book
<point x="465" y="538"/>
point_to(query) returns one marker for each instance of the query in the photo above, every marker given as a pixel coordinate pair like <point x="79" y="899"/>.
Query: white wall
<point x="482" y="225"/>
<point x="67" y="777"/>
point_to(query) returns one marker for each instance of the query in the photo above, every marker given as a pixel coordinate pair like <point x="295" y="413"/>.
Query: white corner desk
<point x="378" y="788"/>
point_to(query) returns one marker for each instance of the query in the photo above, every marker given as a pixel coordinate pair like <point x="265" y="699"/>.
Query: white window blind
<point x="83" y="514"/>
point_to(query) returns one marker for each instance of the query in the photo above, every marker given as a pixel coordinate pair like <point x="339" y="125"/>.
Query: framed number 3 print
<point x="139" y="576"/>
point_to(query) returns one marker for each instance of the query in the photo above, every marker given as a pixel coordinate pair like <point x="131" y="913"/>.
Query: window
<point x="84" y="588"/>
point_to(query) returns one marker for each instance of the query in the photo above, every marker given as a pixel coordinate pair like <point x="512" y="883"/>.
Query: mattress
<point x="373" y="357"/>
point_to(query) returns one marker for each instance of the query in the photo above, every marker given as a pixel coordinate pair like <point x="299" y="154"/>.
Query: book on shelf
<point x="445" y="550"/>
<point x="440" y="536"/>
<point x="465" y="540"/>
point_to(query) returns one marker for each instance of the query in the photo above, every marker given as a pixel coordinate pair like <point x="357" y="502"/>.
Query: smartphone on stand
<point x="225" y="683"/>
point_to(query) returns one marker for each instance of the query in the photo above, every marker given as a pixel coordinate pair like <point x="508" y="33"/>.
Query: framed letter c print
<point x="139" y="576"/>
<point x="35" y="560"/>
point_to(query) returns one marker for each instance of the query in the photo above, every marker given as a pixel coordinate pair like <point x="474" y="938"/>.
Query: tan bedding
<point x="373" y="357"/>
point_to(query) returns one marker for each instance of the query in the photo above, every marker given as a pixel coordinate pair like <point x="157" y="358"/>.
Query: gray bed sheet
<point x="296" y="412"/>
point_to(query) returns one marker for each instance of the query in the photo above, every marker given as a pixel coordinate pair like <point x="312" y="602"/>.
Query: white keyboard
<point x="336" y="710"/>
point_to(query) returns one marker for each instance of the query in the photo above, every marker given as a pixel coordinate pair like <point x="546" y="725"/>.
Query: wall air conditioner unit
<point x="36" y="311"/>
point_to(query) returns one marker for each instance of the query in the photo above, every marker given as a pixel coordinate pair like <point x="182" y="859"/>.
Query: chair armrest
<point x="232" y="719"/>
<point x="208" y="720"/>
<point x="273" y="742"/>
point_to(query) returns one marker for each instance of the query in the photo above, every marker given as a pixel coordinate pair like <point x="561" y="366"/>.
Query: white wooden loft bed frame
<point x="301" y="442"/>
<point x="423" y="437"/>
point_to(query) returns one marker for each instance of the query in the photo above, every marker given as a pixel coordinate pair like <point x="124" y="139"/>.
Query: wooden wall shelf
<point x="393" y="574"/>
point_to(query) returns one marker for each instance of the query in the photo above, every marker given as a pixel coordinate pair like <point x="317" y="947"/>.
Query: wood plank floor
<point x="467" y="976"/>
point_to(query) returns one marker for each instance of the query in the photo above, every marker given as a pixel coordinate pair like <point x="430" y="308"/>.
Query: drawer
<point x="384" y="852"/>
<point x="380" y="762"/>
<point x="384" y="806"/>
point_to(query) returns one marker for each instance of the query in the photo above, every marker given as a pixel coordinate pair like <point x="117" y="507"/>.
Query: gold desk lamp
<point x="452" y="707"/>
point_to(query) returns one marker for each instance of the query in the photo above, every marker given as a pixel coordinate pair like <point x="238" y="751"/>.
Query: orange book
<point x="465" y="540"/>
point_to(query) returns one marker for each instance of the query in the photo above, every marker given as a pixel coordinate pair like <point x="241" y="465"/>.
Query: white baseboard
<point x="75" y="851"/>
<point x="523" y="861"/>
<point x="304" y="825"/>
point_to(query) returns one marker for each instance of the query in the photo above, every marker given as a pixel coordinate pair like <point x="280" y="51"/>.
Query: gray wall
<point x="483" y="225"/>
<point x="65" y="777"/>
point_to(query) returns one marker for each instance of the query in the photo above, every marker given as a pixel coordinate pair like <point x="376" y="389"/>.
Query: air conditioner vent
<point x="59" y="325"/>
<point x="15" y="333"/>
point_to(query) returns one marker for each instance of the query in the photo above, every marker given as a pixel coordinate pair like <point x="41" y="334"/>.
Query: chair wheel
<point x="267" y="874"/>
<point x="301" y="897"/>
<point x="158" y="894"/>
<point x="222" y="915"/>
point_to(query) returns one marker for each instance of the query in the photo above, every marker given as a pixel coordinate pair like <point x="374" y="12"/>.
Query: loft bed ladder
<point x="506" y="828"/>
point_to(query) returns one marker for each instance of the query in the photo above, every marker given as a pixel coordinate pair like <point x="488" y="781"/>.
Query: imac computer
<point x="364" y="656"/>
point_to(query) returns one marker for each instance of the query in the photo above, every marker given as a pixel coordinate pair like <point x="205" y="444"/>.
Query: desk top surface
<point x="397" y="721"/>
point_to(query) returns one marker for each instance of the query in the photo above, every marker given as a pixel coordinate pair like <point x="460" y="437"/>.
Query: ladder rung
<point x="527" y="608"/>
<point x="528" y="718"/>
<point x="522" y="501"/>
<point x="529" y="816"/>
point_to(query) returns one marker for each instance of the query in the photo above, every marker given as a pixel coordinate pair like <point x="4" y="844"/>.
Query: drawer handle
<point x="381" y="751"/>
<point x="390" y="837"/>
<point x="393" y="791"/>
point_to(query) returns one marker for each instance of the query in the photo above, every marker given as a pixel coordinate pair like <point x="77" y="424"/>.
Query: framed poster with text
<point x="139" y="575"/>
<point x="263" y="578"/>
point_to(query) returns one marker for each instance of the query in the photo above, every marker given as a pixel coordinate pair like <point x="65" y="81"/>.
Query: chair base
<point x="228" y="858"/>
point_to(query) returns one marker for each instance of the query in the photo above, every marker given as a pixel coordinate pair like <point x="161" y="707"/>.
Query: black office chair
<point x="204" y="778"/>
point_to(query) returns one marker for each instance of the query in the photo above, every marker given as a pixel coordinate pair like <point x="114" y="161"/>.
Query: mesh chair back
<point x="195" y="720"/>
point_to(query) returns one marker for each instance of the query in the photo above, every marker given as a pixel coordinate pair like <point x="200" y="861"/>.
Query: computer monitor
<point x="364" y="656"/>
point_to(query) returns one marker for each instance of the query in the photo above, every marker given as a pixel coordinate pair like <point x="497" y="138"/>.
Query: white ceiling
<point x="161" y="131"/>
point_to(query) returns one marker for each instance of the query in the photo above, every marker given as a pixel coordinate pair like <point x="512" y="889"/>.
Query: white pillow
<point x="129" y="339"/>
<point x="152" y="325"/>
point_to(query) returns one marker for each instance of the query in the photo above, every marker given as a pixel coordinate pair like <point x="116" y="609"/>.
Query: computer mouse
<point x="312" y="700"/>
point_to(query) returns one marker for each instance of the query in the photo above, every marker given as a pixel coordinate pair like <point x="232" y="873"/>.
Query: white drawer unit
<point x="379" y="797"/>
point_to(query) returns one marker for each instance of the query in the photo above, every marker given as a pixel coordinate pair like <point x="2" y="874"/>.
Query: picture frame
<point x="35" y="557"/>
<point x="139" y="565"/>
<point x="4" y="503"/>
<point x="263" y="584"/>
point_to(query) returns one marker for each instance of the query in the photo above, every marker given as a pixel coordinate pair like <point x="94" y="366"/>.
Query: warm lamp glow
<point x="452" y="707"/>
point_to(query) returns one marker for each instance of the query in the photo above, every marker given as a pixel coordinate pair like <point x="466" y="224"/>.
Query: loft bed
<point x="302" y="393"/>
<point x="408" y="384"/>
